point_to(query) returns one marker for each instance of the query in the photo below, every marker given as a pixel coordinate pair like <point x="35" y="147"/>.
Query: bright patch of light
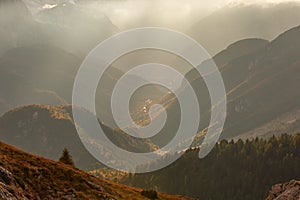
<point x="49" y="6"/>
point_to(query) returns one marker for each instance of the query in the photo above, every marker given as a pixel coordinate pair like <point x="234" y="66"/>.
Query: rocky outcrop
<point x="9" y="188"/>
<point x="285" y="191"/>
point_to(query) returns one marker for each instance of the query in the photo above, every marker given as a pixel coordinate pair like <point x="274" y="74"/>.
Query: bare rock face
<point x="9" y="188"/>
<point x="285" y="191"/>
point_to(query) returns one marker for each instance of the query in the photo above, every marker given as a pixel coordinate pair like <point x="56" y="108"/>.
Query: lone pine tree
<point x="66" y="157"/>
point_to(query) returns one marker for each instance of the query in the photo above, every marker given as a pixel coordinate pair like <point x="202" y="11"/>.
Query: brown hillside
<point x="26" y="176"/>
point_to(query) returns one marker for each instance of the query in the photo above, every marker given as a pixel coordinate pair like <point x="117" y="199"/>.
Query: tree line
<point x="233" y="170"/>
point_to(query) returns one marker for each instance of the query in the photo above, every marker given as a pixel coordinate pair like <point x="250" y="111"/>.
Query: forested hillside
<point x="233" y="170"/>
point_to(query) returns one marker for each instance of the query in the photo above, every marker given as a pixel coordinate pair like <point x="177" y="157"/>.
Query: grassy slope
<point x="28" y="176"/>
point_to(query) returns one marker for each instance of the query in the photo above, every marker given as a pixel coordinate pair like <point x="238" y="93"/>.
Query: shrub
<point x="150" y="194"/>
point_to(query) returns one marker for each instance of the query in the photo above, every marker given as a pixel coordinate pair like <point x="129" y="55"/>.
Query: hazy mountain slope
<point x="231" y="54"/>
<point x="44" y="74"/>
<point x="66" y="25"/>
<point x="73" y="28"/>
<point x="233" y="65"/>
<point x="38" y="74"/>
<point x="46" y="130"/>
<point x="261" y="84"/>
<point x="233" y="23"/>
<point x="25" y="176"/>
<point x="284" y="123"/>
<point x="270" y="88"/>
<point x="17" y="27"/>
<point x="239" y="49"/>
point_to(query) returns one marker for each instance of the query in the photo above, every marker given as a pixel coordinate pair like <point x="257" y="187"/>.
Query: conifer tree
<point x="66" y="157"/>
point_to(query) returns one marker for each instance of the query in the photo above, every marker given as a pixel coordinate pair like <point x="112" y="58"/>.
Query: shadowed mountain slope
<point x="261" y="82"/>
<point x="47" y="130"/>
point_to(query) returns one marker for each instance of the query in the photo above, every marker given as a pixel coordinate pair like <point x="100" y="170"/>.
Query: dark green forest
<point x="233" y="170"/>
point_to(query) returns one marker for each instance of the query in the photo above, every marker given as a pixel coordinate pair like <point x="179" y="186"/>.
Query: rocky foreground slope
<point x="284" y="191"/>
<point x="25" y="176"/>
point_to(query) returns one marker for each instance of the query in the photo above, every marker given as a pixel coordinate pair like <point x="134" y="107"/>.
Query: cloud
<point x="167" y="13"/>
<point x="247" y="2"/>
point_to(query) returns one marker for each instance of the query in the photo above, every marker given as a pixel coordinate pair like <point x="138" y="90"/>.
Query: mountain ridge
<point x="47" y="130"/>
<point x="238" y="22"/>
<point x="260" y="84"/>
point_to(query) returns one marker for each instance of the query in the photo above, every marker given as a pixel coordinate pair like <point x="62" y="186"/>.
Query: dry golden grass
<point x="36" y="177"/>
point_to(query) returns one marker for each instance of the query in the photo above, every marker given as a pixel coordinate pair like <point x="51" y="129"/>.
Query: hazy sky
<point x="174" y="14"/>
<point x="168" y="13"/>
<point x="171" y="13"/>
